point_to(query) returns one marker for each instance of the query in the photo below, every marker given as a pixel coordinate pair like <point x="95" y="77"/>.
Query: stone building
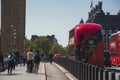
<point x="110" y="23"/>
<point x="52" y="38"/>
<point x="12" y="25"/>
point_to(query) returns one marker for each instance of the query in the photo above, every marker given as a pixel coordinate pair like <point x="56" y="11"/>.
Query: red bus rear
<point x="114" y="48"/>
<point x="86" y="44"/>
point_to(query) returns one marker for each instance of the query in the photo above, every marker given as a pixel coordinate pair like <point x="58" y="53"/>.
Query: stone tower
<point x="12" y="25"/>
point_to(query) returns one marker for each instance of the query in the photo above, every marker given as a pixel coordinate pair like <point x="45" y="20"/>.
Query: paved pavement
<point x="20" y="74"/>
<point x="53" y="73"/>
<point x="46" y="72"/>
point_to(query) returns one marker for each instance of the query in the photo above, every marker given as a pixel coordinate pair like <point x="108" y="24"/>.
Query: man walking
<point x="30" y="61"/>
<point x="37" y="59"/>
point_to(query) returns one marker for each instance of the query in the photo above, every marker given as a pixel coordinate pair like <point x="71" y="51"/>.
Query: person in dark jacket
<point x="10" y="62"/>
<point x="2" y="61"/>
<point x="37" y="59"/>
<point x="51" y="58"/>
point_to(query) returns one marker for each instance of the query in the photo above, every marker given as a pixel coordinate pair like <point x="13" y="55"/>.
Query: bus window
<point x="81" y="37"/>
<point x="113" y="37"/>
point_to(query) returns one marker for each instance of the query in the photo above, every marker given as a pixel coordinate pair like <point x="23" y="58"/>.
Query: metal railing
<point x="84" y="71"/>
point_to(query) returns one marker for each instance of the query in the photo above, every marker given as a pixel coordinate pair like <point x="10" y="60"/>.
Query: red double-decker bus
<point x="114" y="48"/>
<point x="86" y="44"/>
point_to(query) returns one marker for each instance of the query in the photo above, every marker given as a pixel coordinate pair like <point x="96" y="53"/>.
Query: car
<point x="57" y="54"/>
<point x="107" y="61"/>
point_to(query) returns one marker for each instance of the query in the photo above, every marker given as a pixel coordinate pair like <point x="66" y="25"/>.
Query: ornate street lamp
<point x="14" y="38"/>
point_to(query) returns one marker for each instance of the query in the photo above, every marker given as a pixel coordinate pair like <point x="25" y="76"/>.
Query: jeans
<point x="29" y="66"/>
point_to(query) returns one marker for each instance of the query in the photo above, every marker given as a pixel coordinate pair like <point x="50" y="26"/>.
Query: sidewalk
<point x="46" y="71"/>
<point x="20" y="74"/>
<point x="67" y="73"/>
<point x="53" y="73"/>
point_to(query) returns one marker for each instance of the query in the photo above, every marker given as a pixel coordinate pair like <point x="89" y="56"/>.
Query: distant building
<point x="52" y="38"/>
<point x="12" y="25"/>
<point x="110" y="23"/>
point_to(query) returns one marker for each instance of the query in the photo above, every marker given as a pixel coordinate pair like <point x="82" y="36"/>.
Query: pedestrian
<point x="24" y="58"/>
<point x="42" y="57"/>
<point x="37" y="59"/>
<point x="51" y="58"/>
<point x="17" y="54"/>
<point x="2" y="61"/>
<point x="14" y="58"/>
<point x="10" y="62"/>
<point x="30" y="61"/>
<point x="21" y="60"/>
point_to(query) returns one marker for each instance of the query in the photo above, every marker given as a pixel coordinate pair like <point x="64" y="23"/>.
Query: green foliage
<point x="66" y="49"/>
<point x="56" y="48"/>
<point x="28" y="44"/>
<point x="45" y="46"/>
<point x="41" y="44"/>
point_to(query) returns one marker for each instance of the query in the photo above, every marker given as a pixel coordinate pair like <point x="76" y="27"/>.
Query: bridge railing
<point x="84" y="71"/>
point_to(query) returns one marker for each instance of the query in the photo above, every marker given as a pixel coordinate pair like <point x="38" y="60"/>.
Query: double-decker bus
<point x="86" y="44"/>
<point x="114" y="48"/>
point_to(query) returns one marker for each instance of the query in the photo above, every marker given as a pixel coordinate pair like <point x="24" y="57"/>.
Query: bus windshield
<point x="86" y="49"/>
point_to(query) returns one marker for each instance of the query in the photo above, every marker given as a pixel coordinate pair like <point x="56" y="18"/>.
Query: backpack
<point x="11" y="58"/>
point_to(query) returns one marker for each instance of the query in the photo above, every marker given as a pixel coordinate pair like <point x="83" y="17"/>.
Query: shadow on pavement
<point x="13" y="74"/>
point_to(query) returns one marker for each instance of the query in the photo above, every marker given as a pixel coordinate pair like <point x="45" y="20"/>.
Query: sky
<point x="58" y="17"/>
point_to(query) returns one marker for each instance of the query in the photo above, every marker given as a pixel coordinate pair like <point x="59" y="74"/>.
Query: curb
<point x="67" y="73"/>
<point x="42" y="71"/>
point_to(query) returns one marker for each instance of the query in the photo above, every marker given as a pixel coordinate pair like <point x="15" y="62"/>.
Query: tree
<point x="45" y="46"/>
<point x="66" y="49"/>
<point x="28" y="44"/>
<point x="42" y="44"/>
<point x="57" y="48"/>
